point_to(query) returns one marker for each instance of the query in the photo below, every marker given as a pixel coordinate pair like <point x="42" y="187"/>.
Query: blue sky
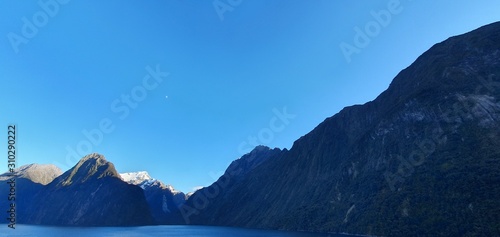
<point x="100" y="67"/>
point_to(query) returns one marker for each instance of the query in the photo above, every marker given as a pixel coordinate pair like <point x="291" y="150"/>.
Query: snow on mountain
<point x="144" y="180"/>
<point x="136" y="178"/>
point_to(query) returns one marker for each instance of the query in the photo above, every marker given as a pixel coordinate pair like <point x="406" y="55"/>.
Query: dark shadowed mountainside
<point x="163" y="200"/>
<point x="29" y="180"/>
<point x="90" y="194"/>
<point x="422" y="159"/>
<point x="219" y="193"/>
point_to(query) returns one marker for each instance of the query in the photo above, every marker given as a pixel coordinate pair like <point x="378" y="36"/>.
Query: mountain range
<point x="92" y="193"/>
<point x="89" y="194"/>
<point x="422" y="159"/>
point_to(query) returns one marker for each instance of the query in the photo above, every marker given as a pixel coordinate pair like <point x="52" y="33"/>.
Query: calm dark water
<point x="146" y="231"/>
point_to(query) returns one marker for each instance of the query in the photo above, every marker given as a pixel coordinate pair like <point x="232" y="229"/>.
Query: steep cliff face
<point x="423" y="158"/>
<point x="90" y="194"/>
<point x="164" y="203"/>
<point x="209" y="205"/>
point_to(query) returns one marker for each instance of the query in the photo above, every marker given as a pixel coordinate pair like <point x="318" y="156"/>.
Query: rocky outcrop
<point x="42" y="174"/>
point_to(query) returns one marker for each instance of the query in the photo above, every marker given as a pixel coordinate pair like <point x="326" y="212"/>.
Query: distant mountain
<point x="209" y="203"/>
<point x="422" y="159"/>
<point x="135" y="178"/>
<point x="163" y="200"/>
<point x="42" y="174"/>
<point x="90" y="194"/>
<point x="29" y="180"/>
<point x="143" y="180"/>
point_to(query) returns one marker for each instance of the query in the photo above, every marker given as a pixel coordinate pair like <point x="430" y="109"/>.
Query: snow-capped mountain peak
<point x="143" y="180"/>
<point x="136" y="178"/>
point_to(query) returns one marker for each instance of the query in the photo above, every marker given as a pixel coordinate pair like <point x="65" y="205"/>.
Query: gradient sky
<point x="229" y="73"/>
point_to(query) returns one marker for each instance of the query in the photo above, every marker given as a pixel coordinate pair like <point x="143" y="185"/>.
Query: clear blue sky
<point x="229" y="72"/>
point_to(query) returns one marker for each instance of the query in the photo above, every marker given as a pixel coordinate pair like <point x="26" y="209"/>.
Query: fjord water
<point x="150" y="231"/>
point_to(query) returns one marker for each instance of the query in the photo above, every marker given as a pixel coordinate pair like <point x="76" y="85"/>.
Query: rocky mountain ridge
<point x="42" y="174"/>
<point x="421" y="159"/>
